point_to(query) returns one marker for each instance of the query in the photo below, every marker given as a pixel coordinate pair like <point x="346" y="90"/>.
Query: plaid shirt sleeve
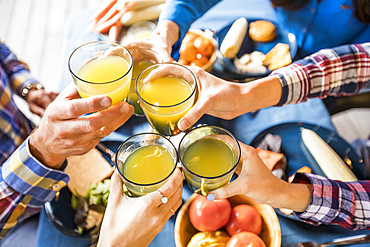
<point x="17" y="71"/>
<point x="335" y="202"/>
<point x="343" y="70"/>
<point x="25" y="185"/>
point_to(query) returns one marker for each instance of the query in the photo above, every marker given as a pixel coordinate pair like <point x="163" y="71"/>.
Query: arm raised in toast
<point x="136" y="221"/>
<point x="338" y="71"/>
<point x="32" y="175"/>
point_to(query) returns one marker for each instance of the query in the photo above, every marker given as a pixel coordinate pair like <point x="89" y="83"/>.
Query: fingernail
<point x="182" y="123"/>
<point x="105" y="102"/>
<point x="210" y="197"/>
<point x="125" y="108"/>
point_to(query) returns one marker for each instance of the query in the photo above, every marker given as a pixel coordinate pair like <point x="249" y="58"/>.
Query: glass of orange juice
<point x="145" y="162"/>
<point x="209" y="156"/>
<point x="101" y="68"/>
<point x="166" y="93"/>
<point x="142" y="59"/>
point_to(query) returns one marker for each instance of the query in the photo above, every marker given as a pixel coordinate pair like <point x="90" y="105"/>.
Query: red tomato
<point x="208" y="216"/>
<point x="243" y="239"/>
<point x="244" y="218"/>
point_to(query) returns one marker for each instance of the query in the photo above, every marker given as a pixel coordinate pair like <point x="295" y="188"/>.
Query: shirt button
<point x="313" y="10"/>
<point x="303" y="30"/>
<point x="55" y="186"/>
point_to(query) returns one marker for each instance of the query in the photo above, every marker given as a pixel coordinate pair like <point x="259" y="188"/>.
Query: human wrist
<point x="168" y="29"/>
<point x="28" y="87"/>
<point x="294" y="196"/>
<point x="42" y="154"/>
<point x="262" y="93"/>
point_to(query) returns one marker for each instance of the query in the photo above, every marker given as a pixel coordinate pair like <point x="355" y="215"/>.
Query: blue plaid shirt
<point x="25" y="183"/>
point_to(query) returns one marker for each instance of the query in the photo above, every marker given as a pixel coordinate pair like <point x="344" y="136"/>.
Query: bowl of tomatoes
<point x="233" y="222"/>
<point x="198" y="48"/>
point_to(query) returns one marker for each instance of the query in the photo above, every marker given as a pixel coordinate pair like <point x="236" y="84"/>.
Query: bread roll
<point x="262" y="31"/>
<point x="85" y="170"/>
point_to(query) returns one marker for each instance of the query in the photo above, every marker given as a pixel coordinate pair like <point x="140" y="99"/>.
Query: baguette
<point x="142" y="14"/>
<point x="139" y="3"/>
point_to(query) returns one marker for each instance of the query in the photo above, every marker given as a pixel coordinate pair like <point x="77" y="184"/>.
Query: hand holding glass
<point x="101" y="68"/>
<point x="145" y="162"/>
<point x="143" y="58"/>
<point x="166" y="93"/>
<point x="209" y="156"/>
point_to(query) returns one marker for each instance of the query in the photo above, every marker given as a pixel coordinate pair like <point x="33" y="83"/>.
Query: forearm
<point x="336" y="202"/>
<point x="26" y="185"/>
<point x="184" y="13"/>
<point x="330" y="72"/>
<point x="260" y="93"/>
<point x="169" y="30"/>
<point x="292" y="196"/>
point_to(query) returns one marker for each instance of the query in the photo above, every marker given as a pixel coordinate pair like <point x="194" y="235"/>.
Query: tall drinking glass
<point x="145" y="162"/>
<point x="166" y="93"/>
<point x="209" y="156"/>
<point x="143" y="58"/>
<point x="101" y="68"/>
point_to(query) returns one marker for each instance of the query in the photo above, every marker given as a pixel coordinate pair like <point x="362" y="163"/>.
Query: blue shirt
<point x="316" y="26"/>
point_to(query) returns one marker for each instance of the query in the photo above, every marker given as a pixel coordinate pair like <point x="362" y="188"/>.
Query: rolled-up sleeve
<point x="340" y="71"/>
<point x="335" y="202"/>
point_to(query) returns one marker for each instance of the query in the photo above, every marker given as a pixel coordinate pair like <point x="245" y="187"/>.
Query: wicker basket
<point x="208" y="35"/>
<point x="270" y="233"/>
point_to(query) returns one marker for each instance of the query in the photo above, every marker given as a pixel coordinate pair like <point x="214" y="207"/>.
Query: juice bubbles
<point x="148" y="165"/>
<point x="105" y="75"/>
<point x="132" y="98"/>
<point x="168" y="99"/>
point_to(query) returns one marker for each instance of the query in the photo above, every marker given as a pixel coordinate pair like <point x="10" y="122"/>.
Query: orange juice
<point x="132" y="98"/>
<point x="104" y="77"/>
<point x="164" y="94"/>
<point x="148" y="165"/>
<point x="208" y="157"/>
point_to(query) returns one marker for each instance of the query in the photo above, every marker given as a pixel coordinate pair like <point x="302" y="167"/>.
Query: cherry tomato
<point x="244" y="218"/>
<point x="243" y="239"/>
<point x="208" y="216"/>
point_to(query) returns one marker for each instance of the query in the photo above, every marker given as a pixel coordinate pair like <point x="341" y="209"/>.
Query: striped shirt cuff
<point x="26" y="175"/>
<point x="332" y="202"/>
<point x="293" y="79"/>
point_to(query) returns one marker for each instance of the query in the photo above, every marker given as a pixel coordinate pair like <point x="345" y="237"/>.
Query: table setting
<point x="56" y="226"/>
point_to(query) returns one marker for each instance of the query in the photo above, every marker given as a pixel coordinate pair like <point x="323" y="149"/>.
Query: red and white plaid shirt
<point x="344" y="70"/>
